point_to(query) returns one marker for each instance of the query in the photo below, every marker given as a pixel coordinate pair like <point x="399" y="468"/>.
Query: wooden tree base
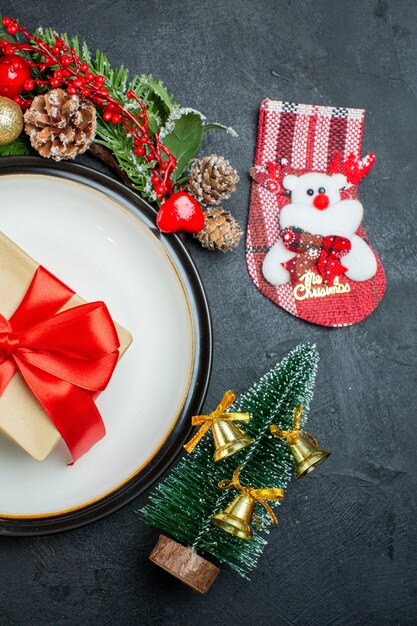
<point x="184" y="564"/>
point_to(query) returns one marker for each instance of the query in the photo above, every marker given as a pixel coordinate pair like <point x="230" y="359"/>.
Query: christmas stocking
<point x="306" y="248"/>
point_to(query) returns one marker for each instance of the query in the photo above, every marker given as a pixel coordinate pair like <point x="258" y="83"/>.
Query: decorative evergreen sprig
<point x="183" y="504"/>
<point x="181" y="130"/>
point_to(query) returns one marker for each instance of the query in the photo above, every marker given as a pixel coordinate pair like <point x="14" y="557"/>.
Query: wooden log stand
<point x="184" y="564"/>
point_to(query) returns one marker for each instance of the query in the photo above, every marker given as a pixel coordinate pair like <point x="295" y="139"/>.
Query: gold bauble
<point x="11" y="121"/>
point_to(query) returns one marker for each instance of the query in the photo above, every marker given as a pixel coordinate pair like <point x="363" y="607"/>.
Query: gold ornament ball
<point x="11" y="121"/>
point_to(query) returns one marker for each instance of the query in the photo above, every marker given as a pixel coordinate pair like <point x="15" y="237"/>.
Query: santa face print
<point x="316" y="190"/>
<point x="317" y="208"/>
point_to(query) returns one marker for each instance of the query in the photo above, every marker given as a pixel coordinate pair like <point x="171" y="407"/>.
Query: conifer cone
<point x="211" y="180"/>
<point x="60" y="126"/>
<point x="221" y="231"/>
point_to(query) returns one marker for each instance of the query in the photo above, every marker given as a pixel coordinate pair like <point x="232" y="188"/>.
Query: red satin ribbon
<point x="65" y="358"/>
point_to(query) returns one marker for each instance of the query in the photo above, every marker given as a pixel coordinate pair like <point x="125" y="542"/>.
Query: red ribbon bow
<point x="317" y="251"/>
<point x="65" y="358"/>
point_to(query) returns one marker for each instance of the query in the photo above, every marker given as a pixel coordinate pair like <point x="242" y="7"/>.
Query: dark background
<point x="346" y="549"/>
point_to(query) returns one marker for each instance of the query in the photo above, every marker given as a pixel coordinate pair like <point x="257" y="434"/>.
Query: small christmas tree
<point x="183" y="504"/>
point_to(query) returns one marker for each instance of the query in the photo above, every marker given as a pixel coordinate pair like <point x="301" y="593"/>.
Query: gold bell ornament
<point x="11" y="121"/>
<point x="305" y="450"/>
<point x="228" y="437"/>
<point x="237" y="517"/>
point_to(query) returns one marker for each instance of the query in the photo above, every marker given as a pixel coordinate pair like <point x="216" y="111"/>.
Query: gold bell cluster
<point x="228" y="437"/>
<point x="305" y="450"/>
<point x="236" y="519"/>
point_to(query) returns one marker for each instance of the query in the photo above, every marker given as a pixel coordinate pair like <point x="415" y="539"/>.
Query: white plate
<point x="103" y="251"/>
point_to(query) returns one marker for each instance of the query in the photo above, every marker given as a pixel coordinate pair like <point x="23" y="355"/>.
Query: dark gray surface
<point x="346" y="549"/>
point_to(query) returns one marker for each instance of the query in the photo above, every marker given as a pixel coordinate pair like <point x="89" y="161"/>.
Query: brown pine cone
<point x="60" y="126"/>
<point x="221" y="231"/>
<point x="211" y="180"/>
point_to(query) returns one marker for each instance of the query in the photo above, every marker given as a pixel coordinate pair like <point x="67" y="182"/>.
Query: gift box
<point x="23" y="410"/>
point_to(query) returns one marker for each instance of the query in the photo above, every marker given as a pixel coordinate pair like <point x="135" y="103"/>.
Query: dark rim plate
<point x="202" y="349"/>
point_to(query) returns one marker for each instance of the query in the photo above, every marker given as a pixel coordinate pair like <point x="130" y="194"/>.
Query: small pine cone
<point x="221" y="231"/>
<point x="60" y="126"/>
<point x="211" y="180"/>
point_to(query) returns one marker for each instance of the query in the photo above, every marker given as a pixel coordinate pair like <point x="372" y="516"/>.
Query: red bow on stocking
<point x="315" y="252"/>
<point x="65" y="358"/>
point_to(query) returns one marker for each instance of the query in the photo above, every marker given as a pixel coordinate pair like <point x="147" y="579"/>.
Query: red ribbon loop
<point x="315" y="251"/>
<point x="65" y="358"/>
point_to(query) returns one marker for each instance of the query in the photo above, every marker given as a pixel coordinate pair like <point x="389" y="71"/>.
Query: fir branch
<point x="160" y="105"/>
<point x="184" y="503"/>
<point x="160" y="109"/>
<point x="18" y="147"/>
